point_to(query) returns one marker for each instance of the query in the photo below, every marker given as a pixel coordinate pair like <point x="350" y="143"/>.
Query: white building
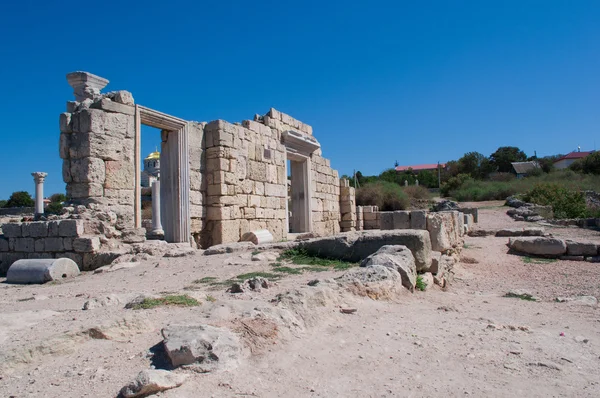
<point x="570" y="158"/>
<point x="151" y="169"/>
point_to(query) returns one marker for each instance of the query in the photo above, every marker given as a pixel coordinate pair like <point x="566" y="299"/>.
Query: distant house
<point x="569" y="159"/>
<point x="523" y="169"/>
<point x="421" y="167"/>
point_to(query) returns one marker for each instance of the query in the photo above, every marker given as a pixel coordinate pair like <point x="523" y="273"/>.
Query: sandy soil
<point x="467" y="340"/>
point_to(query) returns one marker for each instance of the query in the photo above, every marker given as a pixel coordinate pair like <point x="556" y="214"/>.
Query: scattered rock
<point x="180" y="252"/>
<point x="514" y="202"/>
<point x="581" y="249"/>
<point x="116" y="266"/>
<point x="508" y="232"/>
<point x="265" y="256"/>
<point x="255" y="284"/>
<point x="427" y="279"/>
<point x="107" y="301"/>
<point x="355" y="246"/>
<point x="396" y="257"/>
<point x="445" y="205"/>
<point x="207" y="348"/>
<point x="374" y="281"/>
<point x="589" y="301"/>
<point x="481" y="232"/>
<point x="348" y="310"/>
<point x="548" y="365"/>
<point x="521" y="294"/>
<point x="581" y="339"/>
<point x="547" y="247"/>
<point x="151" y="381"/>
<point x="229" y="248"/>
<point x="120" y="329"/>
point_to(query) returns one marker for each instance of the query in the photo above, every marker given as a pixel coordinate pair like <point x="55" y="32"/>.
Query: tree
<point x="589" y="165"/>
<point x="503" y="157"/>
<point x="20" y="199"/>
<point x="58" y="198"/>
<point x="2" y="203"/>
<point x="471" y="163"/>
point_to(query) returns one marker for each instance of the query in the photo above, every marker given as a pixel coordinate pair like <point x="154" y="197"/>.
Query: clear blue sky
<point x="412" y="81"/>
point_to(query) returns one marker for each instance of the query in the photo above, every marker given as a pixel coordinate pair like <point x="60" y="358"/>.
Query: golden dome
<point x="153" y="155"/>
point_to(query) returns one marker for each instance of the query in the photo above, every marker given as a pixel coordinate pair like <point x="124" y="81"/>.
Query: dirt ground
<point x="466" y="340"/>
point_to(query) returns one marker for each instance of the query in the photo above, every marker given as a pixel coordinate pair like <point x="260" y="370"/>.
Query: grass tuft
<point x="537" y="260"/>
<point x="301" y="257"/>
<point x="182" y="300"/>
<point x="207" y="279"/>
<point x="420" y="285"/>
<point x="522" y="296"/>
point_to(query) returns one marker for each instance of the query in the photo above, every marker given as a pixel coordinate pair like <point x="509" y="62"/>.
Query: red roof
<point x="421" y="167"/>
<point x="574" y="155"/>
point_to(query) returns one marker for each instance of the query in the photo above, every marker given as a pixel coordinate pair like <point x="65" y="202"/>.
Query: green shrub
<point x="589" y="165"/>
<point x="565" y="203"/>
<point x="20" y="199"/>
<point x="388" y="196"/>
<point x="417" y="192"/>
<point x="454" y="183"/>
<point x="54" y="208"/>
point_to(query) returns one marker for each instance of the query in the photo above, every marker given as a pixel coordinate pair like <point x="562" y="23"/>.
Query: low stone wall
<point x="48" y="239"/>
<point x="577" y="222"/>
<point x="17" y="211"/>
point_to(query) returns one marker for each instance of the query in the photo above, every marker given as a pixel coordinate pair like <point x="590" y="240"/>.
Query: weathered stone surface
<point x="520" y="232"/>
<point x="473" y="211"/>
<point x="86" y="244"/>
<point x="356" y="246"/>
<point x="24" y="245"/>
<point x="589" y="301"/>
<point x="151" y="381"/>
<point x="206" y="347"/>
<point x="445" y="205"/>
<point x="418" y="219"/>
<point x="38" y="229"/>
<point x="397" y="257"/>
<point x="427" y="279"/>
<point x="121" y="96"/>
<point x="549" y="247"/>
<point x="88" y="169"/>
<point x="581" y="249"/>
<point x="12" y="230"/>
<point x="41" y="270"/>
<point x="401" y="220"/>
<point x="3" y="244"/>
<point x="374" y="281"/>
<point x="229" y="248"/>
<point x="258" y="237"/>
<point x="442" y="230"/>
<point x="70" y="228"/>
<point x="119" y="175"/>
<point x="481" y="232"/>
<point x="435" y="262"/>
<point x="265" y="256"/>
<point x="386" y="220"/>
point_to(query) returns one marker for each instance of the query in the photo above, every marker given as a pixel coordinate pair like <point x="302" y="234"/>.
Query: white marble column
<point x="157" y="228"/>
<point x="39" y="178"/>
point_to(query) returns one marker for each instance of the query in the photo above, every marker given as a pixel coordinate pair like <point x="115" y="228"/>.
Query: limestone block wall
<point x="326" y="215"/>
<point x="48" y="239"/>
<point x="197" y="146"/>
<point x="348" y="206"/>
<point x="246" y="182"/>
<point x="370" y="217"/>
<point x="97" y="147"/>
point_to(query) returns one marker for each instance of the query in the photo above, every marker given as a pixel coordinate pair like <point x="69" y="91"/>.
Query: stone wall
<point x="197" y="147"/>
<point x="246" y="181"/>
<point x="17" y="211"/>
<point x="348" y="207"/>
<point x="326" y="215"/>
<point x="97" y="147"/>
<point x="47" y="239"/>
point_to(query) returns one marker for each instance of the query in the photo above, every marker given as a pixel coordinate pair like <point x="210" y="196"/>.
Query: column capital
<point x="39" y="176"/>
<point x="86" y="85"/>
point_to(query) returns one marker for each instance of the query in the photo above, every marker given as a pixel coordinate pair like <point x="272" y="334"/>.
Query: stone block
<point x="581" y="249"/>
<point x="401" y="220"/>
<point x="386" y="219"/>
<point x="418" y="219"/>
<point x="67" y="244"/>
<point x="64" y="144"/>
<point x="76" y="257"/>
<point x="41" y="271"/>
<point x="111" y="106"/>
<point x="84" y="190"/>
<point x="53" y="228"/>
<point x="88" y="170"/>
<point x="86" y="244"/>
<point x="120" y="175"/>
<point x="66" y="171"/>
<point x="65" y="123"/>
<point x="122" y="97"/>
<point x="39" y="245"/>
<point x="548" y="247"/>
<point x="70" y="228"/>
<point x="54" y="244"/>
<point x="38" y="229"/>
<point x="26" y="245"/>
<point x="3" y="244"/>
<point x="11" y="230"/>
<point x="88" y="120"/>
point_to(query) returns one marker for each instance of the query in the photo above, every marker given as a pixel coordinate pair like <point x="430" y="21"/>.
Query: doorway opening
<point x="174" y="173"/>
<point x="299" y="193"/>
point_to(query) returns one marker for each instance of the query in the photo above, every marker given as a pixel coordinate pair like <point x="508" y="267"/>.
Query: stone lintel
<point x="110" y="106"/>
